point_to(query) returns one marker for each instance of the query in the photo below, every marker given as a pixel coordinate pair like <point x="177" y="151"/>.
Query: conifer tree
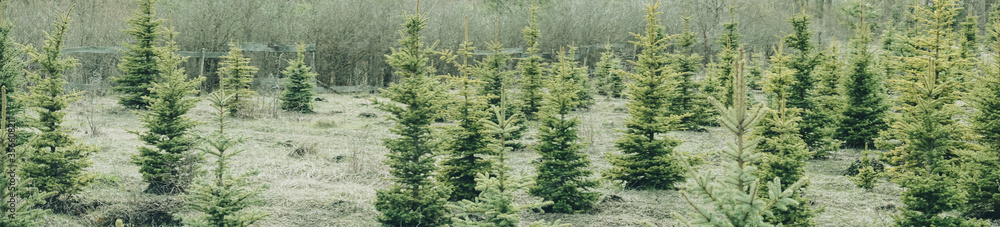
<point x="830" y="99"/>
<point x="139" y="63"/>
<point x="493" y="71"/>
<point x="804" y="62"/>
<point x="865" y="113"/>
<point x="562" y="171"/>
<point x="736" y="198"/>
<point x="168" y="166"/>
<point x="688" y="99"/>
<point x="235" y="75"/>
<point x="606" y="71"/>
<point x="11" y="70"/>
<point x="298" y="94"/>
<point x="532" y="69"/>
<point x="719" y="81"/>
<point x="648" y="159"/>
<point x="784" y="151"/>
<point x="24" y="208"/>
<point x="223" y="199"/>
<point x="927" y="128"/>
<point x="470" y="140"/>
<point x="984" y="173"/>
<point x="413" y="198"/>
<point x="55" y="160"/>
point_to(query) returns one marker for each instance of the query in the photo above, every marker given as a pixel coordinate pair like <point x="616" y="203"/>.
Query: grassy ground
<point x="336" y="185"/>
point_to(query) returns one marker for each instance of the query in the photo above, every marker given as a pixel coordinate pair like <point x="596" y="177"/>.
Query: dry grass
<point x="335" y="186"/>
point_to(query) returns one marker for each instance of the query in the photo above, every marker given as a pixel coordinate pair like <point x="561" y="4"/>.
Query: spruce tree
<point x="736" y="198"/>
<point x="865" y="113"/>
<point x="688" y="99"/>
<point x="927" y="128"/>
<point x="139" y="63"/>
<point x="25" y="201"/>
<point x="298" y="94"/>
<point x="236" y="75"/>
<point x="168" y="165"/>
<point x="55" y="160"/>
<point x="223" y="198"/>
<point x="648" y="159"/>
<point x="413" y="198"/>
<point x="606" y="71"/>
<point x="784" y="151"/>
<point x="496" y="78"/>
<point x="719" y="82"/>
<point x="984" y="174"/>
<point x="804" y="62"/>
<point x="469" y="141"/>
<point x="830" y="99"/>
<point x="562" y="171"/>
<point x="12" y="65"/>
<point x="532" y="69"/>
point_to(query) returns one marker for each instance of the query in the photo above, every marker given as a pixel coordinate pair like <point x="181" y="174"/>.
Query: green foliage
<point x="830" y="100"/>
<point x="687" y="99"/>
<point x="866" y="178"/>
<point x="469" y="141"/>
<point x="55" y="160"/>
<point x="26" y="212"/>
<point x="784" y="152"/>
<point x="736" y="198"/>
<point x="648" y="159"/>
<point x="983" y="172"/>
<point x="562" y="171"/>
<point x="235" y="76"/>
<point x="865" y="113"/>
<point x="804" y="62"/>
<point x="139" y="62"/>
<point x="168" y="167"/>
<point x="606" y="71"/>
<point x="298" y="95"/>
<point x="719" y="82"/>
<point x="927" y="128"/>
<point x="224" y="198"/>
<point x="496" y="80"/>
<point x="12" y="65"/>
<point x="413" y="198"/>
<point x="532" y="70"/>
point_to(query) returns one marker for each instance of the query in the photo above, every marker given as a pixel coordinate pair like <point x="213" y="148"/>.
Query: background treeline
<point x="353" y="36"/>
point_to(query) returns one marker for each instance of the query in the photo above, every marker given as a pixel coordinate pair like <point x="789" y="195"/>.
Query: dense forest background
<point x="353" y="36"/>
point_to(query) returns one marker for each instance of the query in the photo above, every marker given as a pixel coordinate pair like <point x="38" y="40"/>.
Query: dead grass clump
<point x="324" y="123"/>
<point x="304" y="149"/>
<point x="143" y="210"/>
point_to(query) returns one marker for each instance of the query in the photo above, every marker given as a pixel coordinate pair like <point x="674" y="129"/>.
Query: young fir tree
<point x="55" y="160"/>
<point x="983" y="173"/>
<point x="235" y="75"/>
<point x="495" y="205"/>
<point x="139" y="62"/>
<point x="298" y="94"/>
<point x="224" y="198"/>
<point x="830" y="100"/>
<point x="736" y="198"/>
<point x="562" y="171"/>
<point x="688" y="100"/>
<point x="865" y="113"/>
<point x="648" y="159"/>
<point x="413" y="198"/>
<point x="606" y="71"/>
<point x="25" y="201"/>
<point x="784" y="152"/>
<point x="496" y="78"/>
<point x="804" y="62"/>
<point x="168" y="165"/>
<point x="928" y="130"/>
<point x="470" y="140"/>
<point x="12" y="65"/>
<point x="719" y="82"/>
<point x="532" y="70"/>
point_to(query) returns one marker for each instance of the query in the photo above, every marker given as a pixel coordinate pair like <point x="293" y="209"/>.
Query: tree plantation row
<point x="921" y="100"/>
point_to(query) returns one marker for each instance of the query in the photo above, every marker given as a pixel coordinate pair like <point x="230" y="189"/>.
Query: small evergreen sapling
<point x="55" y="160"/>
<point x="736" y="198"/>
<point x="866" y="178"/>
<point x="804" y="62"/>
<point x="648" y="159"/>
<point x="984" y="172"/>
<point x="688" y="99"/>
<point x="562" y="171"/>
<point x="26" y="200"/>
<point x="606" y="71"/>
<point x="223" y="199"/>
<point x="532" y="70"/>
<point x="235" y="76"/>
<point x="413" y="198"/>
<point x="139" y="62"/>
<point x="469" y="141"/>
<point x="719" y="82"/>
<point x="298" y="96"/>
<point x="168" y="166"/>
<point x="865" y="113"/>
